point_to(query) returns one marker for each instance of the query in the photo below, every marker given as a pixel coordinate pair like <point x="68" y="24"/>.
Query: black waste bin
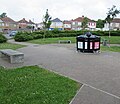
<point x="88" y="43"/>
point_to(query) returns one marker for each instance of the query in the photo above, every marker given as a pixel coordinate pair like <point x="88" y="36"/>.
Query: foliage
<point x="84" y="23"/>
<point x="100" y="23"/>
<point x="112" y="13"/>
<point x="56" y="33"/>
<point x="3" y="15"/>
<point x="23" y="37"/>
<point x="29" y="27"/>
<point x="3" y="39"/>
<point x="34" y="85"/>
<point x="38" y="32"/>
<point x="47" y="20"/>
<point x="37" y="36"/>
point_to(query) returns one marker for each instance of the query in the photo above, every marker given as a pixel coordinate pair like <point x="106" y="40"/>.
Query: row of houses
<point x="74" y="24"/>
<point x="7" y="24"/>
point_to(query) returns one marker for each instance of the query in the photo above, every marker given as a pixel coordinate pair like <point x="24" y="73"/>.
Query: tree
<point x="112" y="13"/>
<point x="100" y="23"/>
<point x="47" y="20"/>
<point x="84" y="23"/>
<point x="3" y="15"/>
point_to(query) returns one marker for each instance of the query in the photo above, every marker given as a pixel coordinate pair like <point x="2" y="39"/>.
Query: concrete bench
<point x="64" y="41"/>
<point x="12" y="55"/>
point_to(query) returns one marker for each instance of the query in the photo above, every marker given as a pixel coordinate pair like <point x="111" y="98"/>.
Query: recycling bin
<point x="88" y="43"/>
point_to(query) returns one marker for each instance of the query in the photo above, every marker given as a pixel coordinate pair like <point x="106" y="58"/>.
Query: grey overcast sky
<point x="62" y="9"/>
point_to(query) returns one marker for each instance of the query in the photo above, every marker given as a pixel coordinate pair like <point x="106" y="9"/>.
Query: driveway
<point x="99" y="73"/>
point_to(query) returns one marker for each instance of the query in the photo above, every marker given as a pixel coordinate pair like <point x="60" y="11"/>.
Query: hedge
<point x="23" y="37"/>
<point x="3" y="39"/>
<point x="57" y="33"/>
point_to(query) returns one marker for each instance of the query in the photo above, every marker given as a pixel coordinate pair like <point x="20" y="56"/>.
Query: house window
<point x="73" y="23"/>
<point x="2" y="24"/>
<point x="7" y="24"/>
<point x="79" y="23"/>
<point x="73" y="28"/>
<point x="14" y="25"/>
<point x="116" y="24"/>
<point x="66" y="25"/>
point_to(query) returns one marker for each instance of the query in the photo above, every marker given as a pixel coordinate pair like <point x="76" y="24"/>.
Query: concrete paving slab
<point x="88" y="95"/>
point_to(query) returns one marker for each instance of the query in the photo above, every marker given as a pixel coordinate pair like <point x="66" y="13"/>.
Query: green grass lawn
<point x="34" y="85"/>
<point x="52" y="40"/>
<point x="111" y="48"/>
<point x="10" y="46"/>
<point x="113" y="40"/>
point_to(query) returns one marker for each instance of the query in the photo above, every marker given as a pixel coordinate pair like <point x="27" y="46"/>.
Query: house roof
<point x="116" y="20"/>
<point x="56" y="20"/>
<point x="80" y="19"/>
<point x="66" y="22"/>
<point x="30" y="22"/>
<point x="7" y="19"/>
<point x="23" y="21"/>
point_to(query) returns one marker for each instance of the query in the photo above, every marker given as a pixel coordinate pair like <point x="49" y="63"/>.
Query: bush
<point x="112" y="33"/>
<point x="23" y="37"/>
<point x="3" y="39"/>
<point x="38" y="32"/>
<point x="57" y="33"/>
<point x="37" y="36"/>
<point x="48" y="34"/>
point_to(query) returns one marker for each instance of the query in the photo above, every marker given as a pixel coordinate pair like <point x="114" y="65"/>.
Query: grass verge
<point x="111" y="48"/>
<point x="34" y="85"/>
<point x="52" y="40"/>
<point x="10" y="46"/>
<point x="113" y="40"/>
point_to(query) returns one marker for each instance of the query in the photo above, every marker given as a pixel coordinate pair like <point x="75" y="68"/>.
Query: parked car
<point x="12" y="33"/>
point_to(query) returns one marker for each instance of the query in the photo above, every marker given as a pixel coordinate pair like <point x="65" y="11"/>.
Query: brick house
<point x="77" y="23"/>
<point x="23" y="23"/>
<point x="67" y="25"/>
<point x="8" y="24"/>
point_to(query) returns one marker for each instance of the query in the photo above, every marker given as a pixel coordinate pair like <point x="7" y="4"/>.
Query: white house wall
<point x="112" y="26"/>
<point x="92" y="25"/>
<point x="67" y="25"/>
<point x="56" y="25"/>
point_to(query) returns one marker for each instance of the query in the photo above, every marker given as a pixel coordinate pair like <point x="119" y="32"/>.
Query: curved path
<point x="99" y="73"/>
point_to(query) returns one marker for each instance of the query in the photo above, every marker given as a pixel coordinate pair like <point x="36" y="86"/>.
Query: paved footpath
<point x="99" y="73"/>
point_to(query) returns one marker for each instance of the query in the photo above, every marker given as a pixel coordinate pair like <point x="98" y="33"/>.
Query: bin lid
<point x="88" y="35"/>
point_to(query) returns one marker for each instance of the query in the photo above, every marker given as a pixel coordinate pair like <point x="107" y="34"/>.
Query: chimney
<point x="82" y="16"/>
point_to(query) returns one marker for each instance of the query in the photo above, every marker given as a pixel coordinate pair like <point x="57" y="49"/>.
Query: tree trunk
<point x="109" y="36"/>
<point x="109" y="30"/>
